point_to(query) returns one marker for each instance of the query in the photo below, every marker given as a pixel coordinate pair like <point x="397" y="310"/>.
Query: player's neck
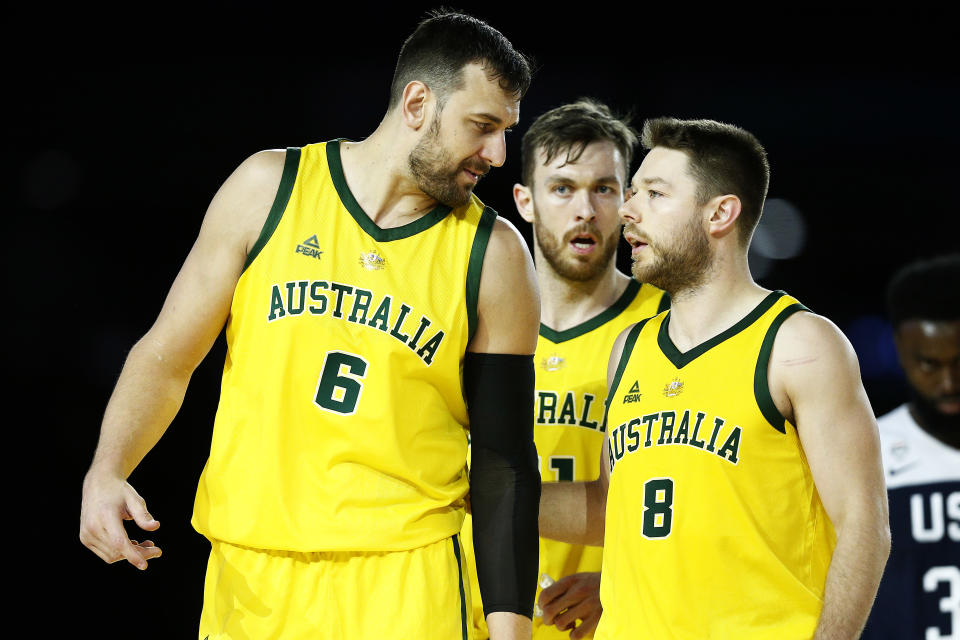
<point x="727" y="294"/>
<point x="377" y="175"/>
<point x="566" y="303"/>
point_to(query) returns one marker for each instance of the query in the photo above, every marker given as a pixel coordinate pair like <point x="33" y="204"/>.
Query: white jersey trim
<point x="911" y="456"/>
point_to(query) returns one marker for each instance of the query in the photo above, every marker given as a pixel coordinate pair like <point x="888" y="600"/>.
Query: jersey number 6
<point x="339" y="387"/>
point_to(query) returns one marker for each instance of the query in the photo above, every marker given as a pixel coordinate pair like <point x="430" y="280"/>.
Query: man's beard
<point x="679" y="264"/>
<point x="931" y="418"/>
<point x="431" y="166"/>
<point x="569" y="265"/>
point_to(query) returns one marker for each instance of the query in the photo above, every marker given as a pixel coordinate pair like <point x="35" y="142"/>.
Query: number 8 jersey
<point x="341" y="423"/>
<point x="714" y="528"/>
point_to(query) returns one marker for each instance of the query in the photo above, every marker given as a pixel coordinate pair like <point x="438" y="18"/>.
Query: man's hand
<point x="106" y="504"/>
<point x="574" y="597"/>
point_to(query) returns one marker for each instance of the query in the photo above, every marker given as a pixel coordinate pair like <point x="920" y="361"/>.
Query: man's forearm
<point x="852" y="581"/>
<point x="503" y="625"/>
<point x="573" y="512"/>
<point x="148" y="395"/>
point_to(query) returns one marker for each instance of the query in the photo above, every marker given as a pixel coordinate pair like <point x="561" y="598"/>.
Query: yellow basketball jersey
<point x="571" y="387"/>
<point x="714" y="528"/>
<point x="342" y="424"/>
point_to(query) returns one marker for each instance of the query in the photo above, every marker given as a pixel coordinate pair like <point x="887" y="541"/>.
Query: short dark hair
<point x="569" y="129"/>
<point x="723" y="158"/>
<point x="444" y="43"/>
<point x="925" y="290"/>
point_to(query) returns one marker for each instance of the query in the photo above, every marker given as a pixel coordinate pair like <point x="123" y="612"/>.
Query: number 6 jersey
<point x="714" y="528"/>
<point x="341" y="423"/>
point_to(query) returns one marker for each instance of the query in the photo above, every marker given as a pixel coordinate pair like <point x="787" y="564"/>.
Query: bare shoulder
<point x="806" y="337"/>
<point x="811" y="360"/>
<point x="506" y="243"/>
<point x="508" y="266"/>
<point x="622" y="338"/>
<point x="617" y="352"/>
<point x="241" y="205"/>
<point x="509" y="300"/>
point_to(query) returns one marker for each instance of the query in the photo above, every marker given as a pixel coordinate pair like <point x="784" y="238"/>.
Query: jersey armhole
<point x="761" y="383"/>
<point x="475" y="267"/>
<point x="628" y="345"/>
<point x="291" y="164"/>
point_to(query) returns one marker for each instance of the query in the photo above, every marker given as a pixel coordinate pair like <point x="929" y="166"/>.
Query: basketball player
<point x="741" y="471"/>
<point x="919" y="595"/>
<point x="355" y="280"/>
<point x="575" y="166"/>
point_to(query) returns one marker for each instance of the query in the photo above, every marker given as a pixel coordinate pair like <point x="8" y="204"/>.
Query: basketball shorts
<point x="415" y="594"/>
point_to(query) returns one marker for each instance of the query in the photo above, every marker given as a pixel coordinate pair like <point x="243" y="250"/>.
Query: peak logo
<point x="310" y="247"/>
<point x="634" y="394"/>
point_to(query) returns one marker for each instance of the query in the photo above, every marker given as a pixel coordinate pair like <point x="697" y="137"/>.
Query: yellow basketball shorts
<point x="260" y="594"/>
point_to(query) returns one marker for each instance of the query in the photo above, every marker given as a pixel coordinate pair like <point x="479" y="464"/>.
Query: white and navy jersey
<point x="919" y="595"/>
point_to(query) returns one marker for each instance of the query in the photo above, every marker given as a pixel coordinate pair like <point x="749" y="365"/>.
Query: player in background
<point x="919" y="596"/>
<point x="356" y="281"/>
<point x="741" y="475"/>
<point x="575" y="165"/>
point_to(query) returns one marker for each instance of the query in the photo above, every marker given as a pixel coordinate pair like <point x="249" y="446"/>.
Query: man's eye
<point x="562" y="189"/>
<point x="604" y="189"/>
<point x="483" y="126"/>
<point x="654" y="194"/>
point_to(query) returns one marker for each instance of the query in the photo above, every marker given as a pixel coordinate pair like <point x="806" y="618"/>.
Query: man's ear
<point x="415" y="104"/>
<point x="724" y="212"/>
<point x="523" y="198"/>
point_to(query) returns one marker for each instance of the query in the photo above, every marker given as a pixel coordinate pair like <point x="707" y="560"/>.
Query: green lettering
<point x="732" y="445"/>
<point x="568" y="413"/>
<point x="428" y="350"/>
<point x="276" y="304"/>
<point x="361" y="304"/>
<point x="381" y="315"/>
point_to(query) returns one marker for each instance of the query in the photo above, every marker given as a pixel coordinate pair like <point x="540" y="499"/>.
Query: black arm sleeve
<point x="504" y="480"/>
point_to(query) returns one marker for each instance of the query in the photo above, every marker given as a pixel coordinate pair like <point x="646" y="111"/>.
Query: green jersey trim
<point x="629" y="295"/>
<point x="761" y="384"/>
<point x="664" y="303"/>
<point x="288" y="178"/>
<point x="681" y="359"/>
<point x="628" y="345"/>
<point x="435" y="215"/>
<point x="475" y="267"/>
<point x="463" y="598"/>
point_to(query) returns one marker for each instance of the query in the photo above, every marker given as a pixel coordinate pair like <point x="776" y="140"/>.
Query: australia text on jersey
<point x="294" y="298"/>
<point x="546" y="412"/>
<point x="626" y="438"/>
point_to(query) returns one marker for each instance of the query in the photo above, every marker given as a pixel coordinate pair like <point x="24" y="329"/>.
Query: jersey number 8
<point x="657" y="508"/>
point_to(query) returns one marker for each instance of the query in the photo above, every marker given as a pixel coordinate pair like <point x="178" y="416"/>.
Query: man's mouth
<point x="949" y="405"/>
<point x="582" y="239"/>
<point x="636" y="242"/>
<point x="474" y="173"/>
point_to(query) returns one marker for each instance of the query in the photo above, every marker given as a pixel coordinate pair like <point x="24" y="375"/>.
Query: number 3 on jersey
<point x="657" y="508"/>
<point x="339" y="386"/>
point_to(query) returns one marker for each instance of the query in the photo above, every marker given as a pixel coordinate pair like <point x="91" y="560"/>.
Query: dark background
<point x="117" y="157"/>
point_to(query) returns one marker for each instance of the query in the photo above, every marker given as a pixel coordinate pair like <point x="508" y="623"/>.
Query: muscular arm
<point x="508" y="321"/>
<point x="815" y="380"/>
<point x="574" y="512"/>
<point x="155" y="375"/>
